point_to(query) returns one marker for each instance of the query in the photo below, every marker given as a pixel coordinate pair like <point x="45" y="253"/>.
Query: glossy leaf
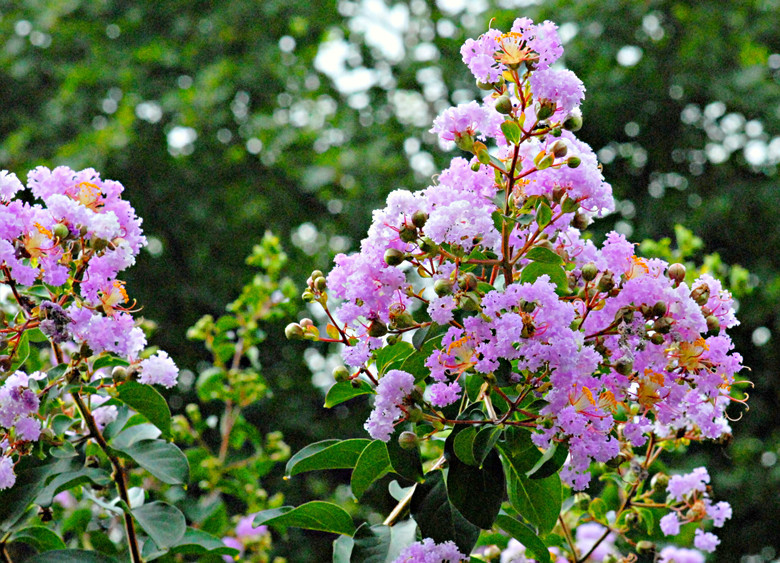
<point x="511" y="131"/>
<point x="541" y="254"/>
<point x="163" y="460"/>
<point x="327" y="454"/>
<point x="543" y="215"/>
<point x="315" y="515"/>
<point x="133" y="434"/>
<point x="407" y="463"/>
<point x="109" y="361"/>
<point x="164" y="523"/>
<point x="71" y="556"/>
<point x="147" y="401"/>
<point x="463" y="445"/>
<point x="345" y="390"/>
<point x="39" y="537"/>
<point x="437" y="518"/>
<point x="552" y="460"/>
<point x="477" y="492"/>
<point x="390" y="357"/>
<point x="382" y="544"/>
<point x="533" y="545"/>
<point x="373" y="464"/>
<point x="534" y="270"/>
<point x="537" y="500"/>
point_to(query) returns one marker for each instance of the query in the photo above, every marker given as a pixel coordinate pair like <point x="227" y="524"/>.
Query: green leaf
<point x="511" y="131"/>
<point x="198" y="542"/>
<point x="415" y="364"/>
<point x="533" y="545"/>
<point x="70" y="479"/>
<point x="598" y="509"/>
<point x="485" y="441"/>
<point x="133" y="434"/>
<point x="477" y="492"/>
<point x="646" y="517"/>
<point x="437" y="518"/>
<point x="537" y="500"/>
<point x="382" y="544"/>
<point x="314" y="515"/>
<point x="39" y="537"/>
<point x="497" y="163"/>
<point x="557" y="274"/>
<point x="552" y="460"/>
<point x="22" y="352"/>
<point x="164" y="523"/>
<point x="463" y="445"/>
<point x="543" y="215"/>
<point x="71" y="556"/>
<point x="407" y="463"/>
<point x="541" y="254"/>
<point x="342" y="549"/>
<point x="345" y="390"/>
<point x="392" y="356"/>
<point x="327" y="454"/>
<point x="109" y="361"/>
<point x="163" y="460"/>
<point x="373" y="464"/>
<point x="147" y="401"/>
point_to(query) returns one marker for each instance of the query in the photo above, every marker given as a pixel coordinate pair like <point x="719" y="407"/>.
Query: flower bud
<point x="484" y="85"/>
<point x="589" y="271"/>
<point x="573" y="122"/>
<point x="428" y="246"/>
<point x="408" y="233"/>
<point x="616" y="461"/>
<point x="61" y="231"/>
<point x="308" y="296"/>
<point x="415" y="414"/>
<point x="676" y="272"/>
<point x="468" y="282"/>
<point x="663" y="325"/>
<point x="403" y="320"/>
<point x="377" y="329"/>
<point x="504" y="105"/>
<point x="546" y="109"/>
<point x="119" y="374"/>
<point x="573" y="161"/>
<point x="317" y="274"/>
<point x="394" y="257"/>
<point x="713" y="324"/>
<point x="393" y="339"/>
<point x="659" y="309"/>
<point x="559" y="149"/>
<point x="701" y="295"/>
<point x="659" y="482"/>
<point x="580" y="222"/>
<point x="475" y="166"/>
<point x="294" y="331"/>
<point x="442" y="287"/>
<point x="408" y="440"/>
<point x="419" y="219"/>
<point x="527" y="306"/>
<point x="464" y="142"/>
<point x="340" y="373"/>
<point x="606" y="282"/>
<point x="657" y="339"/>
<point x="98" y="244"/>
<point x="320" y="283"/>
<point x="624" y="366"/>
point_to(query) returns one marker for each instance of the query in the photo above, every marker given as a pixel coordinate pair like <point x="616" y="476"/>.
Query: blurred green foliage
<point x="227" y="119"/>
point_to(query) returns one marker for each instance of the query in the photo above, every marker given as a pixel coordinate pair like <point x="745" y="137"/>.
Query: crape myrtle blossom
<point x="486" y="287"/>
<point x="427" y="551"/>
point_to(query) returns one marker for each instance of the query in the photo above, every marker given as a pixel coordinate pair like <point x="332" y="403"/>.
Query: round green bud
<point x="317" y="274"/>
<point x="464" y="142"/>
<point x="119" y="374"/>
<point x="98" y="244"/>
<point x="676" y="272"/>
<point x="442" y="287"/>
<point x="546" y="109"/>
<point x="377" y="329"/>
<point x="606" y="282"/>
<point x="616" y="461"/>
<point x="408" y="440"/>
<point x="61" y="231"/>
<point x="404" y="320"/>
<point x="419" y="218"/>
<point x="589" y="271"/>
<point x="308" y="296"/>
<point x="573" y="122"/>
<point x="320" y="283"/>
<point x="415" y="414"/>
<point x="645" y="547"/>
<point x="393" y="339"/>
<point x="627" y="314"/>
<point x="294" y="331"/>
<point x="657" y="339"/>
<point x="663" y="325"/>
<point x="659" y="482"/>
<point x="573" y="161"/>
<point x="559" y="149"/>
<point x="468" y="282"/>
<point x="624" y="366"/>
<point x="713" y="324"/>
<point x="408" y="233"/>
<point x="557" y="194"/>
<point x="484" y="85"/>
<point x="306" y="323"/>
<point x="475" y="166"/>
<point x="394" y="257"/>
<point x="504" y="105"/>
<point x="659" y="309"/>
<point x="341" y="374"/>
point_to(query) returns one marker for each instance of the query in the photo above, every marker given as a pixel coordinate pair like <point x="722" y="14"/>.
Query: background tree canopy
<point x="227" y="119"/>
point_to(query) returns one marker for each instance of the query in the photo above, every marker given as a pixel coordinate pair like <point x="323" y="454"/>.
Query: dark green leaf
<point x="463" y="445"/>
<point x="485" y="440"/>
<point x="511" y="131"/>
<point x="372" y="464"/>
<point x="415" y="364"/>
<point x="133" y="434"/>
<point x="552" y="460"/>
<point x="109" y="361"/>
<point x="163" y="460"/>
<point x="198" y="542"/>
<point x="436" y="516"/>
<point x="543" y="215"/>
<point x="315" y="515"/>
<point x="30" y="480"/>
<point x="533" y="545"/>
<point x="71" y="556"/>
<point x="382" y="544"/>
<point x="147" y="401"/>
<point x="407" y="463"/>
<point x="342" y="549"/>
<point x="541" y="254"/>
<point x="164" y="523"/>
<point x="328" y="454"/>
<point x="477" y="492"/>
<point x="345" y="390"/>
<point x="40" y="537"/>
<point x="70" y="479"/>
<point x="390" y="357"/>
<point x="537" y="500"/>
<point x="534" y="270"/>
<point x="56" y="372"/>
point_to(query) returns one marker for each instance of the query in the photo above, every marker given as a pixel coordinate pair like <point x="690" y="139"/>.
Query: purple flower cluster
<point x="428" y="551"/>
<point x="393" y="388"/>
<point x="18" y="420"/>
